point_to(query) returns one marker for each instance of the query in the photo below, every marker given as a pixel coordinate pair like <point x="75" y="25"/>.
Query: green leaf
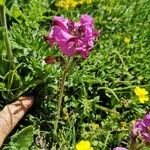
<point x="7" y="11"/>
<point x="2" y="86"/>
<point x="12" y="8"/>
<point x="16" y="12"/>
<point x="4" y="66"/>
<point x="23" y="139"/>
<point x="2" y="2"/>
<point x="10" y="3"/>
<point x="12" y="80"/>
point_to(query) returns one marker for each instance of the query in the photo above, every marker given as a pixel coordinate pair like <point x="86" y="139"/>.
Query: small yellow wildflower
<point x="127" y="40"/>
<point x="84" y="145"/>
<point x="123" y="124"/>
<point x="85" y="1"/>
<point x="142" y="94"/>
<point x="66" y="4"/>
<point x="88" y="1"/>
<point x="94" y="126"/>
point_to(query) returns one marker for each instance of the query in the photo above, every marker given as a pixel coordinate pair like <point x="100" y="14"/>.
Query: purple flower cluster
<point x="73" y="37"/>
<point x="141" y="128"/>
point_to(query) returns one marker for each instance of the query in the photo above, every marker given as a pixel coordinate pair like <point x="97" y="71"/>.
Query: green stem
<point x="107" y="109"/>
<point x="8" y="46"/>
<point x="1" y="14"/>
<point x="60" y="97"/>
<point x="106" y="141"/>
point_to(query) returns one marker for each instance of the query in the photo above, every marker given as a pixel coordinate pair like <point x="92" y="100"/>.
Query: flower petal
<point x="119" y="148"/>
<point x="146" y="120"/>
<point x="87" y="20"/>
<point x="61" y="22"/>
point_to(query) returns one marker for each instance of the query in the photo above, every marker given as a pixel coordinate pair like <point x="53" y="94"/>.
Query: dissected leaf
<point x="12" y="79"/>
<point x="2" y="86"/>
<point x="23" y="139"/>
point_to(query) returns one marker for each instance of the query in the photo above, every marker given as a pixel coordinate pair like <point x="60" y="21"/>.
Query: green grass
<point x="95" y="89"/>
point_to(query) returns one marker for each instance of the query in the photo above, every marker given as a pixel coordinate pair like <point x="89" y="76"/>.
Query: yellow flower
<point x="123" y="124"/>
<point x="88" y="1"/>
<point x="85" y="1"/>
<point x="94" y="126"/>
<point x="127" y="40"/>
<point x="66" y="4"/>
<point x="142" y="94"/>
<point x="84" y="145"/>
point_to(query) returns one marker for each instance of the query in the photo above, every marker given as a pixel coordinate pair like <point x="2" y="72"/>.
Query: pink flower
<point x="73" y="37"/>
<point x="146" y="119"/>
<point x="141" y="128"/>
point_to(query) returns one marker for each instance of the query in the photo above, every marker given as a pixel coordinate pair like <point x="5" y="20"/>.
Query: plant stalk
<point x="6" y="38"/>
<point x="60" y="97"/>
<point x="107" y="109"/>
